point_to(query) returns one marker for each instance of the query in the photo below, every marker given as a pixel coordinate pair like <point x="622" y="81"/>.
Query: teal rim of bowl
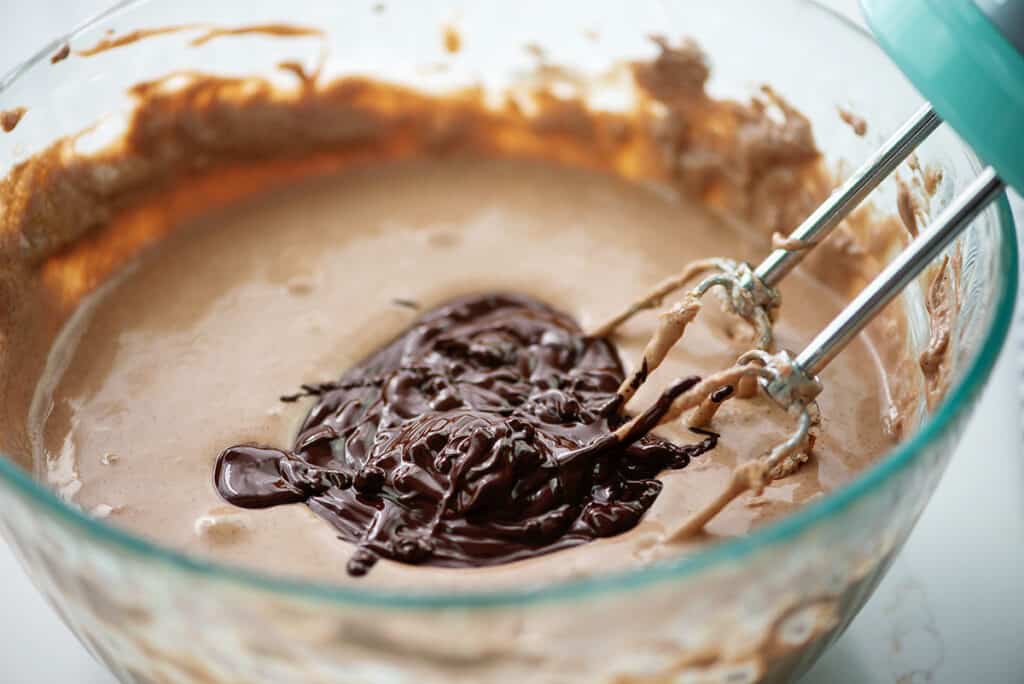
<point x="895" y="461"/>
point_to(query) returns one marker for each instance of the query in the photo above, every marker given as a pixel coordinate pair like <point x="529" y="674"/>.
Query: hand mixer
<point x="967" y="59"/>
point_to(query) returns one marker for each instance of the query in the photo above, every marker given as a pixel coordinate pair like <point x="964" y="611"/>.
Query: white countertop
<point x="951" y="609"/>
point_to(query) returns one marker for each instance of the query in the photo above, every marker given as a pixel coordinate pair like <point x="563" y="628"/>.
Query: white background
<point x="950" y="611"/>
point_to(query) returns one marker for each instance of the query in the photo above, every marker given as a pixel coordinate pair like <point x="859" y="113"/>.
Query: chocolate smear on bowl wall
<point x="856" y="123"/>
<point x="10" y="118"/>
<point x="61" y="54"/>
<point x="452" y="39"/>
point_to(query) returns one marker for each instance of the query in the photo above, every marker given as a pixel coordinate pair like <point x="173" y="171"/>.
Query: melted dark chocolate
<point x="481" y="435"/>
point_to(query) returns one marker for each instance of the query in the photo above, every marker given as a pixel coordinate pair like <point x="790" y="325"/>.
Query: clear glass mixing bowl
<point x="759" y="607"/>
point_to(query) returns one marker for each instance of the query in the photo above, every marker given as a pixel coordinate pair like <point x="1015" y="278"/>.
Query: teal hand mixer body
<point x="966" y="57"/>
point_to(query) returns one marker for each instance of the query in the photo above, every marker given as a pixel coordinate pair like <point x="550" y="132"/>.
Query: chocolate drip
<point x="482" y="435"/>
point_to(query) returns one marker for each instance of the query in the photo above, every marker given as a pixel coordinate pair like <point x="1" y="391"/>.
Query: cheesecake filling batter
<point x="189" y="352"/>
<point x="424" y="267"/>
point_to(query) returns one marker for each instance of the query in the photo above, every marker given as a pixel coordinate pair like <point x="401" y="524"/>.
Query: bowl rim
<point x="954" y="406"/>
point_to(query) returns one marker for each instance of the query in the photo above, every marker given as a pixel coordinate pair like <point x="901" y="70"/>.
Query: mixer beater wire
<point x="751" y="294"/>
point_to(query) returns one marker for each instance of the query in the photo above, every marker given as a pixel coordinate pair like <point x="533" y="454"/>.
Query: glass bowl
<point x="757" y="608"/>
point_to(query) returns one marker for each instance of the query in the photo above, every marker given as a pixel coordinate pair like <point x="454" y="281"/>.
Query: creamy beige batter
<point x="174" y="360"/>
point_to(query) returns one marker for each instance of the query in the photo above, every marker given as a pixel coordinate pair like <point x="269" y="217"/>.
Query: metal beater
<point x="973" y="73"/>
